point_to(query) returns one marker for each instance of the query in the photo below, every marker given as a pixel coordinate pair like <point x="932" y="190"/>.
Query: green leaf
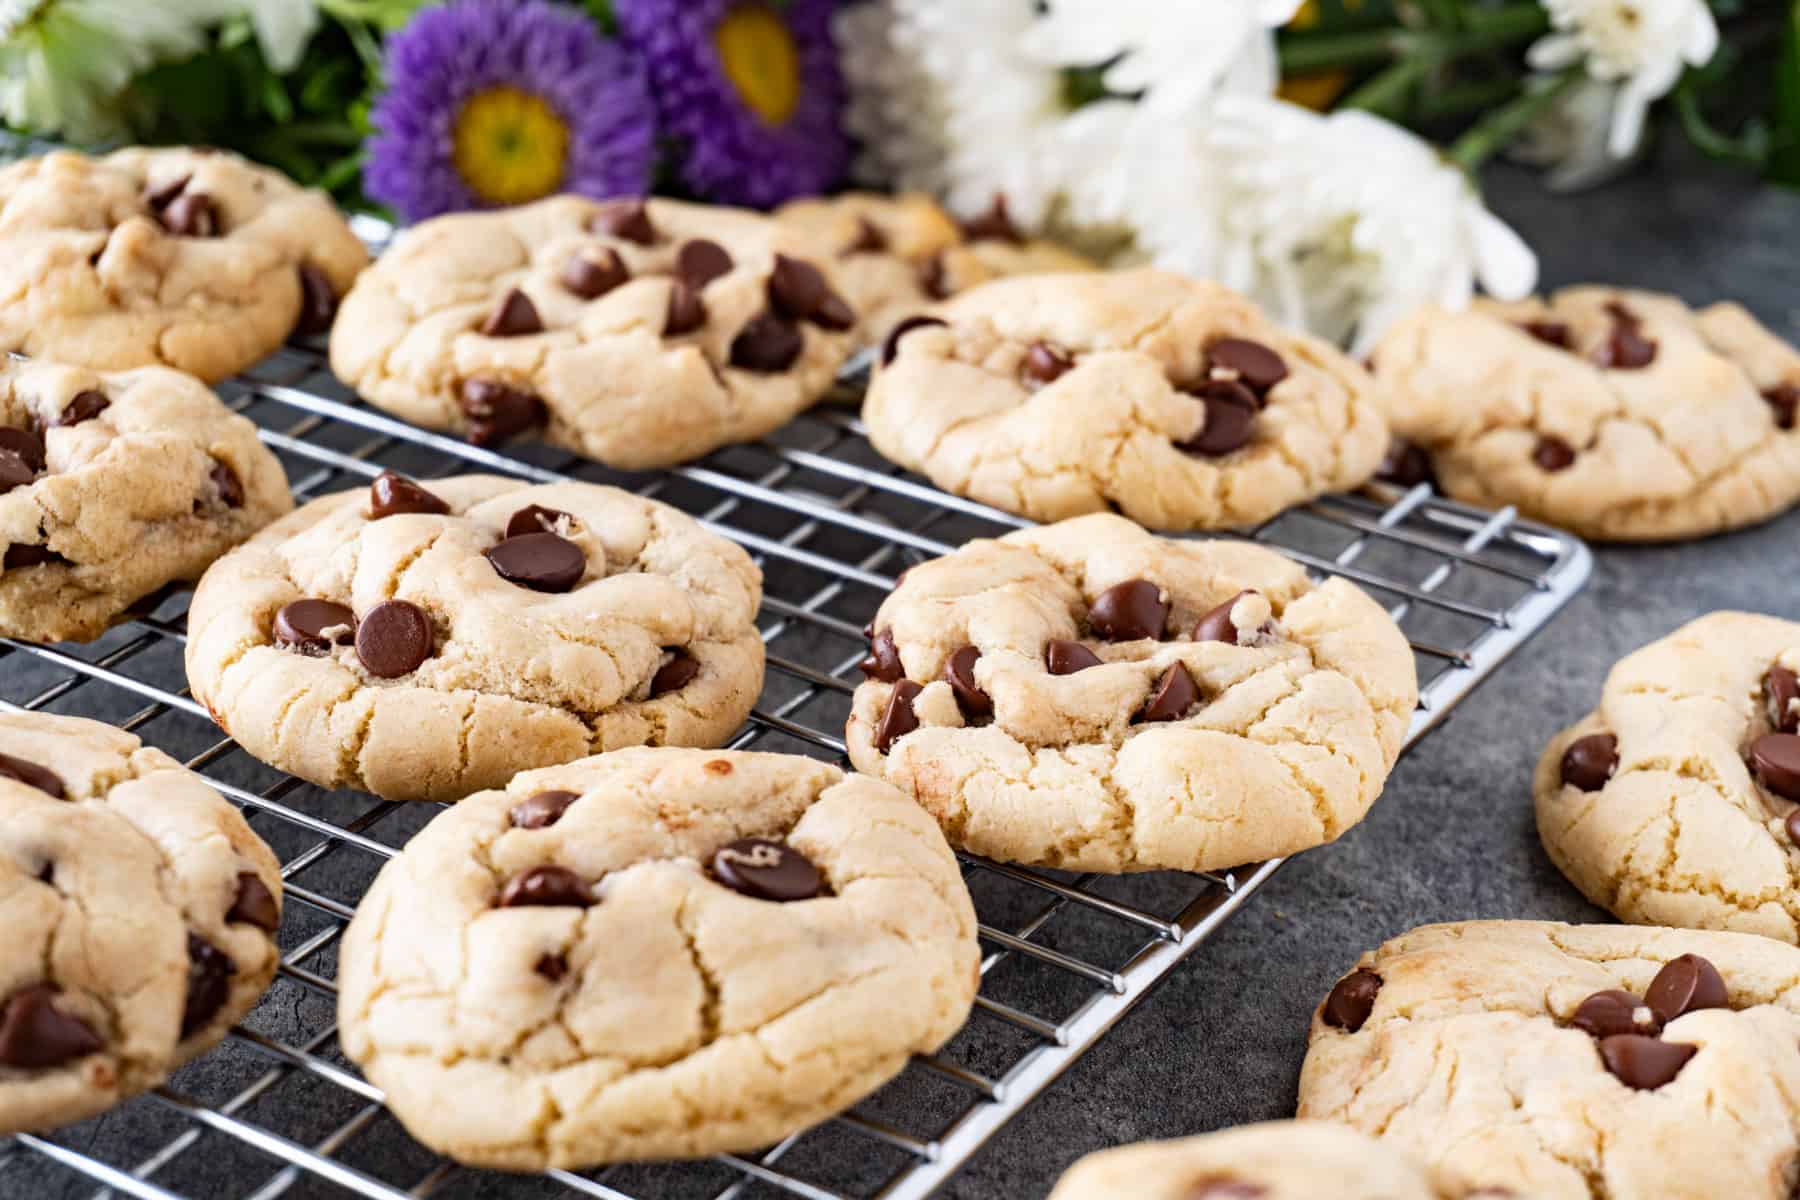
<point x="1783" y="162"/>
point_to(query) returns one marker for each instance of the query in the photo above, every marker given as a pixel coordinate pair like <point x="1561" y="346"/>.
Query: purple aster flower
<point x="749" y="92"/>
<point x="496" y="102"/>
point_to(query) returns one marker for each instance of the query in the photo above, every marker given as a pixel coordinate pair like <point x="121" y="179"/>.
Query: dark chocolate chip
<point x="765" y="869"/>
<point x="890" y="345"/>
<point x="767" y="343"/>
<point x="959" y="673"/>
<point x="85" y="406"/>
<point x="535" y="518"/>
<point x="254" y="904"/>
<point x="497" y="411"/>
<point x="1625" y="349"/>
<point x="883" y="660"/>
<point x="1553" y="454"/>
<point x="1044" y="363"/>
<point x="1781" y="693"/>
<point x="1642" y="1062"/>
<point x="1611" y="1012"/>
<point x="1775" y="757"/>
<point x="20" y="555"/>
<point x="675" y="674"/>
<point x="591" y="276"/>
<point x="393" y="639"/>
<point x="541" y="809"/>
<point x="35" y="1036"/>
<point x="1063" y="657"/>
<point x="230" y="487"/>
<point x="1784" y="399"/>
<point x="899" y="719"/>
<point x="209" y="984"/>
<point x="546" y="887"/>
<point x="627" y="219"/>
<point x="1551" y="333"/>
<point x="701" y="261"/>
<point x="24" y="443"/>
<point x="15" y="472"/>
<point x="1230" y="418"/>
<point x="1258" y="367"/>
<point x="392" y="494"/>
<point x="1406" y="465"/>
<point x="1175" y="693"/>
<point x="796" y="288"/>
<point x="191" y="214"/>
<point x="686" y="311"/>
<point x="31" y="775"/>
<point x="1684" y="985"/>
<point x="542" y="562"/>
<point x="1217" y="626"/>
<point x="834" y="313"/>
<point x="993" y="225"/>
<point x="318" y="303"/>
<point x="301" y="626"/>
<point x="933" y="278"/>
<point x="1589" y="761"/>
<point x="869" y="239"/>
<point x="158" y="198"/>
<point x="1352" y="1000"/>
<point x="514" y="316"/>
<point x="1793" y="827"/>
<point x="552" y="967"/>
<point x="1129" y="611"/>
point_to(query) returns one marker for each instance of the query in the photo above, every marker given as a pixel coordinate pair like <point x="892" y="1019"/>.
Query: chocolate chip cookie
<point x="638" y="333"/>
<point x="1565" y="1062"/>
<point x="896" y="255"/>
<point x="425" y="641"/>
<point x="1086" y="695"/>
<point x="1620" y="415"/>
<point x="115" y="485"/>
<point x="1677" y="801"/>
<point x="139" y="915"/>
<point x="195" y="259"/>
<point x="655" y="953"/>
<point x="1172" y="401"/>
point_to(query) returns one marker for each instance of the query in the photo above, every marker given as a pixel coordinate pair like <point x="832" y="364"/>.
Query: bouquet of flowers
<point x="1319" y="155"/>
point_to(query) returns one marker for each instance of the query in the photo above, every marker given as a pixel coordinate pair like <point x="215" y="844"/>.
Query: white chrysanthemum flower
<point x="63" y="63"/>
<point x="1644" y="44"/>
<point x="1344" y="223"/>
<point x="1572" y="137"/>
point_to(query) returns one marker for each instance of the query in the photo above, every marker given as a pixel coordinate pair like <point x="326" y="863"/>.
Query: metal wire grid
<point x="276" y="1111"/>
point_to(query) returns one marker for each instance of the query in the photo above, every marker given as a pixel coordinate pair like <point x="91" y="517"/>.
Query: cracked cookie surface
<point x="1488" y="1051"/>
<point x="114" y="485"/>
<point x="1669" y="804"/>
<point x="639" y="334"/>
<point x="425" y="641"/>
<point x="1176" y="402"/>
<point x="139" y="910"/>
<point x="628" y="1001"/>
<point x="898" y="255"/>
<point x="193" y="259"/>
<point x="1088" y="696"/>
<point x="1620" y="415"/>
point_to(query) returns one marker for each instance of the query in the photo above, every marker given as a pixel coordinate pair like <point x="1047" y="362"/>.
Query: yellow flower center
<point x="509" y="146"/>
<point x="760" y="59"/>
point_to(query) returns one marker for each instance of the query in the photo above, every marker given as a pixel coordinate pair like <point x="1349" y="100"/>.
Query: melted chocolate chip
<point x="497" y="411"/>
<point x="1217" y="625"/>
<point x="301" y="626"/>
<point x="993" y="225"/>
<point x="883" y="660"/>
<point x="701" y="261"/>
<point x="869" y="239"/>
<point x="890" y="345"/>
<point x="675" y="674"/>
<point x="31" y="775"/>
<point x="1642" y="1062"/>
<point x="34" y="1035"/>
<point x="591" y="276"/>
<point x="542" y="562"/>
<point x="514" y="316"/>
<point x="393" y="639"/>
<point x="1230" y="418"/>
<point x="229" y="487"/>
<point x="542" y="809"/>
<point x="1352" y="1000"/>
<point x="1610" y="1012"/>
<point x="959" y="673"/>
<point x="1625" y="348"/>
<point x="1406" y="465"/>
<point x="798" y="291"/>
<point x="191" y="214"/>
<point x="834" y="313"/>
<point x="158" y="198"/>
<point x="209" y="984"/>
<point x="254" y="904"/>
<point x="1775" y="757"/>
<point x="1684" y="985"/>
<point x="1553" y="454"/>
<point x="552" y="967"/>
<point x="1063" y="657"/>
<point x="546" y="887"/>
<point x="1174" y="695"/>
<point x="20" y="555"/>
<point x="767" y="343"/>
<point x="1551" y="333"/>
<point x="392" y="494"/>
<point x="15" y="472"/>
<point x="1258" y="367"/>
<point x="627" y="219"/>
<point x="535" y="518"/>
<point x="765" y="869"/>
<point x="899" y="719"/>
<point x="1045" y="363"/>
<point x="1784" y="401"/>
<point x="1781" y="693"/>
<point x="934" y="278"/>
<point x="28" y="446"/>
<point x="1129" y="611"/>
<point x="1792" y="825"/>
<point x="686" y="311"/>
<point x="85" y="406"/>
<point x="318" y="303"/>
<point x="1589" y="761"/>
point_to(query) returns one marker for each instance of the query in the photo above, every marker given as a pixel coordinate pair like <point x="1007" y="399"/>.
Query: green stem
<point x="1502" y="125"/>
<point x="1752" y="149"/>
<point x="1487" y="29"/>
<point x="1386" y="91"/>
<point x="1465" y="98"/>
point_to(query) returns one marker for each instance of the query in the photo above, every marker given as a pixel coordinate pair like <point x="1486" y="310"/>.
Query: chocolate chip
<point x="959" y="673"/>
<point x="20" y="555"/>
<point x="1217" y="626"/>
<point x="1258" y="367"/>
<point x="1129" y="611"/>
<point x="546" y="887"/>
<point x="1781" y="692"/>
<point x="1175" y="693"/>
<point x="590" y="276"/>
<point x="1553" y="454"/>
<point x="701" y="261"/>
<point x="1589" y="761"/>
<point x="541" y="809"/>
<point x="85" y="406"/>
<point x="1044" y="363"/>
<point x="869" y="239"/>
<point x="675" y="674"/>
<point x="933" y="278"/>
<point x="552" y="967"/>
<point x="1784" y="398"/>
<point x="254" y="904"/>
<point x="392" y="494"/>
<point x="27" y="445"/>
<point x="686" y="311"/>
<point x="766" y="869"/>
<point x="767" y="343"/>
<point x="301" y="626"/>
<point x="318" y="303"/>
<point x="900" y="719"/>
<point x="191" y="214"/>
<point x="31" y="775"/>
<point x="1684" y="985"/>
<point x="497" y="411"/>
<point x="797" y="289"/>
<point x="535" y="518"/>
<point x="1644" y="1063"/>
<point x="1406" y="465"/>
<point x="158" y="198"/>
<point x="1551" y="333"/>
<point x="1793" y="826"/>
<point x="209" y="984"/>
<point x="35" y="1036"/>
<point x="1608" y="1013"/>
<point x="15" y="472"/>
<point x="542" y="562"/>
<point x="1065" y="658"/>
<point x="514" y="316"/>
<point x="230" y="487"/>
<point x="1225" y="1189"/>
<point x="890" y="345"/>
<point x="1230" y="418"/>
<point x="1625" y="349"/>
<point x="834" y="313"/>
<point x="393" y="639"/>
<point x="993" y="225"/>
<point x="1775" y="757"/>
<point x="1352" y="1000"/>
<point x="627" y="219"/>
<point x="883" y="660"/>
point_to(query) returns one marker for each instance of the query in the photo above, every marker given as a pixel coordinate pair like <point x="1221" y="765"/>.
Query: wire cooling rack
<point x="278" y="1112"/>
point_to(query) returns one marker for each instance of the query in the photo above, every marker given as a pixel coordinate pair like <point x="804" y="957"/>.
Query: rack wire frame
<point x="278" y="1112"/>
